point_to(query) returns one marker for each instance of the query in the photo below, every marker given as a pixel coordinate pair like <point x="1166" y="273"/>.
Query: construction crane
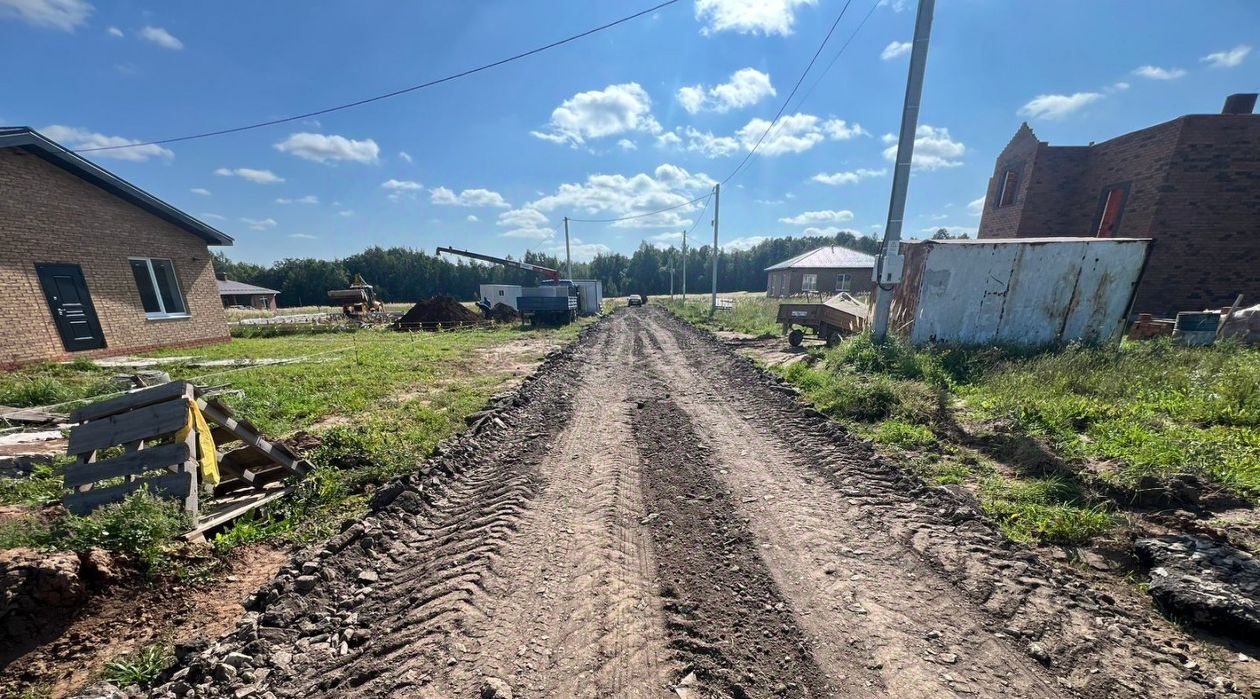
<point x="552" y="274"/>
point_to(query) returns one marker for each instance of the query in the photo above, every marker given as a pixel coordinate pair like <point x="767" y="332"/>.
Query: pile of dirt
<point x="503" y="313"/>
<point x="439" y="309"/>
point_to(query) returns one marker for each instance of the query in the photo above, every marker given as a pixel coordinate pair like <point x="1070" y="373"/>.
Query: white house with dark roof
<point x="826" y="271"/>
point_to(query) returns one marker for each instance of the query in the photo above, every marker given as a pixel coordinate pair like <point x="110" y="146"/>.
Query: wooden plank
<point x="131" y="401"/>
<point x="129" y="464"/>
<point x="142" y="423"/>
<point x="173" y="485"/>
<point x="226" y="515"/>
<point x="213" y="410"/>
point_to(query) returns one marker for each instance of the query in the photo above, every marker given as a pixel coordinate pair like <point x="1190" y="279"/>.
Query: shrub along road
<point x="651" y="515"/>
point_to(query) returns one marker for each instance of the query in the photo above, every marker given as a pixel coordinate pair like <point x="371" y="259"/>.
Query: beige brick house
<point x="91" y="265"/>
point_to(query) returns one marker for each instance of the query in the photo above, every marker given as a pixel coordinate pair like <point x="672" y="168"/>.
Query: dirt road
<point x="652" y="516"/>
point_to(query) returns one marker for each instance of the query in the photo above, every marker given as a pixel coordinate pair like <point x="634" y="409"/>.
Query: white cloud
<point x="895" y="49"/>
<point x="308" y="199"/>
<point x="214" y="217"/>
<point x="709" y="145"/>
<point x="595" y="114"/>
<point x="627" y="145"/>
<point x="746" y="87"/>
<point x="523" y="218"/>
<point x="824" y="216"/>
<point x="114" y="31"/>
<point x="346" y="213"/>
<point x="471" y="218"/>
<point x="828" y="231"/>
<point x="581" y="252"/>
<point x="1057" y="106"/>
<point x="248" y="173"/>
<point x="161" y="37"/>
<point x="848" y="177"/>
<point x="200" y="190"/>
<point x="795" y="133"/>
<point x="1157" y="73"/>
<point x="323" y="148"/>
<point x="259" y="224"/>
<point x="745" y="243"/>
<point x="1227" y="59"/>
<point x="748" y="16"/>
<point x="469" y="197"/>
<point x="894" y="5"/>
<point x="404" y="155"/>
<point x="402" y="185"/>
<point x="58" y="14"/>
<point x="613" y="196"/>
<point x="78" y="139"/>
<point x="531" y="233"/>
<point x="975" y="207"/>
<point x="933" y="148"/>
<point x="669" y="138"/>
<point x="302" y="236"/>
<point x="1118" y="87"/>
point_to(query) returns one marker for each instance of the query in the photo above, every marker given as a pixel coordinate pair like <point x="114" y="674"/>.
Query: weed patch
<point x="140" y="669"/>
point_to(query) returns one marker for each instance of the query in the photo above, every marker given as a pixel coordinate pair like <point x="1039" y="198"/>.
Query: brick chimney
<point x="1241" y="103"/>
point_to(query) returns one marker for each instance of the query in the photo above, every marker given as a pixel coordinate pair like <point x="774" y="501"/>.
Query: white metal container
<point x="501" y="293"/>
<point x="1028" y="291"/>
<point x="590" y="296"/>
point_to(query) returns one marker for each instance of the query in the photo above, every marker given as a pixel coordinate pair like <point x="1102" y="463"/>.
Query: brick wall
<point x="49" y="215"/>
<point x="1193" y="186"/>
<point x="1020" y="155"/>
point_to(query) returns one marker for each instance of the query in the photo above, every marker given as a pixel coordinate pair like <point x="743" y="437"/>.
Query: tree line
<point x="404" y="274"/>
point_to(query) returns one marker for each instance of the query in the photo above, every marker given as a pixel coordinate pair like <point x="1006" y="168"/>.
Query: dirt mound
<point x="439" y="309"/>
<point x="503" y="313"/>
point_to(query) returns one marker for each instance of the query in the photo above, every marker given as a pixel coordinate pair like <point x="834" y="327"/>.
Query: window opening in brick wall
<point x="1010" y="183"/>
<point x="1112" y="207"/>
<point x="159" y="288"/>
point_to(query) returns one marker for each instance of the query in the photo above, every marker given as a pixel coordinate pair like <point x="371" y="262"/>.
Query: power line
<point x="387" y="95"/>
<point x="791" y="94"/>
<point x="874" y="6"/>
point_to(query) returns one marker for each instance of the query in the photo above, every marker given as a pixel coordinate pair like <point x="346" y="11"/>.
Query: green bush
<point x="140" y="525"/>
<point x="41" y="487"/>
<point x="1047" y="510"/>
<point x="139" y="669"/>
<point x="905" y="435"/>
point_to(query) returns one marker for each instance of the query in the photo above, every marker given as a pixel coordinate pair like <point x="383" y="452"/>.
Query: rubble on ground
<point x="1211" y="584"/>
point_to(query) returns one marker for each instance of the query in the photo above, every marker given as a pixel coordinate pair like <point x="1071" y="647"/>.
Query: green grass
<point x="141" y="668"/>
<point x="1145" y="409"/>
<point x="753" y="315"/>
<point x="379" y="401"/>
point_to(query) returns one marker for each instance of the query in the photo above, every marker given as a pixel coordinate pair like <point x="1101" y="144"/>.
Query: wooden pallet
<point x="143" y="423"/>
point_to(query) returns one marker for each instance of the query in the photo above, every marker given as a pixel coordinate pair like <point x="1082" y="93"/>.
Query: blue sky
<point x="644" y="115"/>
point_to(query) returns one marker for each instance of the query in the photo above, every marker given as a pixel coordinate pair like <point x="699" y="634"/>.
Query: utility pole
<point x="671" y="278"/>
<point x="684" y="266"/>
<point x="717" y="206"/>
<point x="889" y="265"/>
<point x="568" y="259"/>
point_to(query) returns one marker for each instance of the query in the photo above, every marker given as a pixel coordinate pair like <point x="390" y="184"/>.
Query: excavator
<point x="358" y="302"/>
<point x="554" y="302"/>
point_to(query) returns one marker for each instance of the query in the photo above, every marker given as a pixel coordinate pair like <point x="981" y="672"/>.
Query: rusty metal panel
<point x="1030" y="291"/>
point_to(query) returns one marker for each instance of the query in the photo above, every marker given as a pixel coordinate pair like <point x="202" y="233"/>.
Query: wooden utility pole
<point x="568" y="259"/>
<point x="684" y="267"/>
<point x="717" y="206"/>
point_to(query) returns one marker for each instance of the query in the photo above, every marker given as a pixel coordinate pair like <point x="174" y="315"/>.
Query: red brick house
<point x="1191" y="184"/>
<point x="826" y="270"/>
<point x="93" y="266"/>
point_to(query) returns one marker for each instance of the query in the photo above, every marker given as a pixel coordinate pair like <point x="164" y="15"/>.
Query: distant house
<point x="236" y="293"/>
<point x="826" y="270"/>
<point x="1192" y="184"/>
<point x="91" y="265"/>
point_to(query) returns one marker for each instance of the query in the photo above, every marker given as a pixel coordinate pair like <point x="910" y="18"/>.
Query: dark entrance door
<point x="71" y="306"/>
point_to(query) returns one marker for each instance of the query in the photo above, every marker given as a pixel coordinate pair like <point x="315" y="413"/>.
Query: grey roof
<point x="231" y="288"/>
<point x="829" y="257"/>
<point x="33" y="142"/>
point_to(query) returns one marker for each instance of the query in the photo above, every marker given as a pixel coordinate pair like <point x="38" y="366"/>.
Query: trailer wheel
<point x="795" y="337"/>
<point x="834" y="338"/>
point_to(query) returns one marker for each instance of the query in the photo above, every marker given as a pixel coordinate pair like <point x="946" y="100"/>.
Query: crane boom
<point x="553" y="274"/>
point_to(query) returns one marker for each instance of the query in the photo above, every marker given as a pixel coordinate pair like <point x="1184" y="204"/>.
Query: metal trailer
<point x="830" y="320"/>
<point x="500" y="293"/>
<point x="1024" y="291"/>
<point x="548" y="305"/>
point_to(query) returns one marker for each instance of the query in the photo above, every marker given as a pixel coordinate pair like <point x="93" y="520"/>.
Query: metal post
<point x="901" y="173"/>
<point x="717" y="206"/>
<point x="568" y="260"/>
<point x="684" y="266"/>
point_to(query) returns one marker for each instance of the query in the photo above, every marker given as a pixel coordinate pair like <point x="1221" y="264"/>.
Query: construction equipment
<point x="553" y="302"/>
<point x="359" y="301"/>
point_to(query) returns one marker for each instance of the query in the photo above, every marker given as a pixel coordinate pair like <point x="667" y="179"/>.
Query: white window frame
<point x="809" y="283"/>
<point x="157" y="290"/>
<point x="844" y="282"/>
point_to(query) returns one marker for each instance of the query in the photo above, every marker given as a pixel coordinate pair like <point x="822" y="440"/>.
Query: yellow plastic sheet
<point x="206" y="454"/>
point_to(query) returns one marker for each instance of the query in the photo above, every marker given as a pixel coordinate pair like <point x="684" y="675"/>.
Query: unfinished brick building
<point x="1192" y="184"/>
<point x="91" y="265"/>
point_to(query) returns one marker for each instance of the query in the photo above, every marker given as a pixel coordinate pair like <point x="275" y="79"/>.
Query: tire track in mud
<point x="1011" y="609"/>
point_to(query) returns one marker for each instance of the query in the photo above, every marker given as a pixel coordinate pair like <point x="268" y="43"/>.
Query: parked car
<point x="635" y="300"/>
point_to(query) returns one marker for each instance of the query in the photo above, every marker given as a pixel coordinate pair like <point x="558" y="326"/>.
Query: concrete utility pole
<point x="671" y="278"/>
<point x="568" y="259"/>
<point x="889" y="265"/>
<point x="717" y="206"/>
<point x="684" y="266"/>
